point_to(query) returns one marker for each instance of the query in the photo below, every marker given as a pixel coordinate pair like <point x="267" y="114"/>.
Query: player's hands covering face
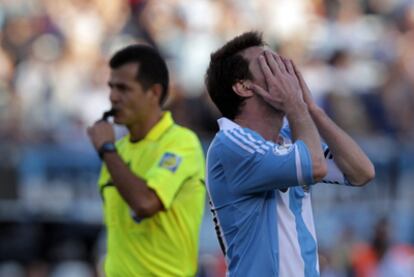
<point x="283" y="87"/>
<point x="307" y="96"/>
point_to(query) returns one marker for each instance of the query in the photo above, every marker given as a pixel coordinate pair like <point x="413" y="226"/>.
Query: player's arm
<point x="284" y="94"/>
<point x="348" y="156"/>
<point x="133" y="189"/>
<point x="254" y="165"/>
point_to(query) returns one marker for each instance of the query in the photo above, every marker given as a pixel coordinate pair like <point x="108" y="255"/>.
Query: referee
<point x="151" y="180"/>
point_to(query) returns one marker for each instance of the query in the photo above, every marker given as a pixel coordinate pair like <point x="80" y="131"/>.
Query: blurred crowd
<point x="356" y="55"/>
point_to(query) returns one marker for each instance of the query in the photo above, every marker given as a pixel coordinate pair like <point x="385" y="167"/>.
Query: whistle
<point x="108" y="114"/>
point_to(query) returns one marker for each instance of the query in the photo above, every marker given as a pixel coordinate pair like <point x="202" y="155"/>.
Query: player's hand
<point x="306" y="93"/>
<point x="283" y="89"/>
<point x="101" y="132"/>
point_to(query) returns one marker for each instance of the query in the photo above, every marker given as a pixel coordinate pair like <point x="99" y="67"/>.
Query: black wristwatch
<point x="107" y="147"/>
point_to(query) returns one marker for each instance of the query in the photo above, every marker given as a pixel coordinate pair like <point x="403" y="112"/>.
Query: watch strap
<point x="106" y="147"/>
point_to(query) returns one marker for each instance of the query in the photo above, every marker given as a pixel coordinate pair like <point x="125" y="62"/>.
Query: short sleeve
<point x="176" y="164"/>
<point x="334" y="175"/>
<point x="251" y="165"/>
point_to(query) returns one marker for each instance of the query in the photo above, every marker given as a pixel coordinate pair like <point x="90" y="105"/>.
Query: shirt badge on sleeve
<point x="170" y="161"/>
<point x="282" y="149"/>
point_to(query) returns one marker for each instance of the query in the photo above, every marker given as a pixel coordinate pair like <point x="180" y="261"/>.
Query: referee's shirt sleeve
<point x="177" y="163"/>
<point x="253" y="167"/>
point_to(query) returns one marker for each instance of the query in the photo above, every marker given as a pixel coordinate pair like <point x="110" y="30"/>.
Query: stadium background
<point x="357" y="57"/>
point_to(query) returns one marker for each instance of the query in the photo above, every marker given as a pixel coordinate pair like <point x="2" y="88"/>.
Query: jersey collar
<point x="226" y="124"/>
<point x="161" y="127"/>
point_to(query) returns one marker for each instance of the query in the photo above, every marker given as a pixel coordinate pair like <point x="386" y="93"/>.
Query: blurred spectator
<point x="11" y="269"/>
<point x="382" y="257"/>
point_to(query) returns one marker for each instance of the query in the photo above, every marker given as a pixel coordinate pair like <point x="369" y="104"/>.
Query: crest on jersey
<point x="170" y="161"/>
<point x="282" y="149"/>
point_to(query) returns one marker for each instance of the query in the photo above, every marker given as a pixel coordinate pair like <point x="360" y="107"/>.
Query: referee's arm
<point x="133" y="189"/>
<point x="140" y="198"/>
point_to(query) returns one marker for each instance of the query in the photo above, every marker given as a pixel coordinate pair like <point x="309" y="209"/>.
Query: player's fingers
<point x="289" y="66"/>
<point x="279" y="62"/>
<point x="298" y="74"/>
<point x="259" y="90"/>
<point x="267" y="72"/>
<point x="274" y="67"/>
<point x="302" y="82"/>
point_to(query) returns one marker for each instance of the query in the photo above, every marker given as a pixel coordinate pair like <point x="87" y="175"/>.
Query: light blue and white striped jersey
<point x="263" y="216"/>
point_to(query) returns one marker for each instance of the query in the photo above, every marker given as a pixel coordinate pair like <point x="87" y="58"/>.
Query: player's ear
<point x="156" y="92"/>
<point x="241" y="88"/>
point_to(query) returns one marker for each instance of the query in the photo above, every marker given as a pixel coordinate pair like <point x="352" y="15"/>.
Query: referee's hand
<point x="100" y="133"/>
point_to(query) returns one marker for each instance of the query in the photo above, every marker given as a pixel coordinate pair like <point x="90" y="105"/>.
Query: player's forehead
<point x="252" y="56"/>
<point x="253" y="53"/>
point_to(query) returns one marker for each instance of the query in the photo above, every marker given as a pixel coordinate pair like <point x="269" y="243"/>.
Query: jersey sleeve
<point x="177" y="163"/>
<point x="252" y="165"/>
<point x="334" y="175"/>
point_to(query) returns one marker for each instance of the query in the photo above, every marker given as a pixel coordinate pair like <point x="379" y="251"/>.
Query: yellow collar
<point x="161" y="127"/>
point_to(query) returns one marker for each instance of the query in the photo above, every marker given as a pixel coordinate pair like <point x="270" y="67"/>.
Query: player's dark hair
<point x="152" y="67"/>
<point x="227" y="66"/>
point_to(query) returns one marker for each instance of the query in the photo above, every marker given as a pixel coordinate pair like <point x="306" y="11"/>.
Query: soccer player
<point x="260" y="171"/>
<point x="151" y="180"/>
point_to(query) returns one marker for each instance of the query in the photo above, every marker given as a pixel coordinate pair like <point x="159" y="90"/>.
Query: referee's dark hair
<point x="152" y="67"/>
<point x="227" y="67"/>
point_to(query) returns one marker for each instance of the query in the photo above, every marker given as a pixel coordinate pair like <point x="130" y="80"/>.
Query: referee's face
<point x="131" y="102"/>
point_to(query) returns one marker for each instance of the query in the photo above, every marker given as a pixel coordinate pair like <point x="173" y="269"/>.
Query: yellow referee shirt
<point x="170" y="159"/>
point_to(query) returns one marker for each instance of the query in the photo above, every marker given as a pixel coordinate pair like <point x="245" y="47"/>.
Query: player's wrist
<point x="296" y="108"/>
<point x="316" y="111"/>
